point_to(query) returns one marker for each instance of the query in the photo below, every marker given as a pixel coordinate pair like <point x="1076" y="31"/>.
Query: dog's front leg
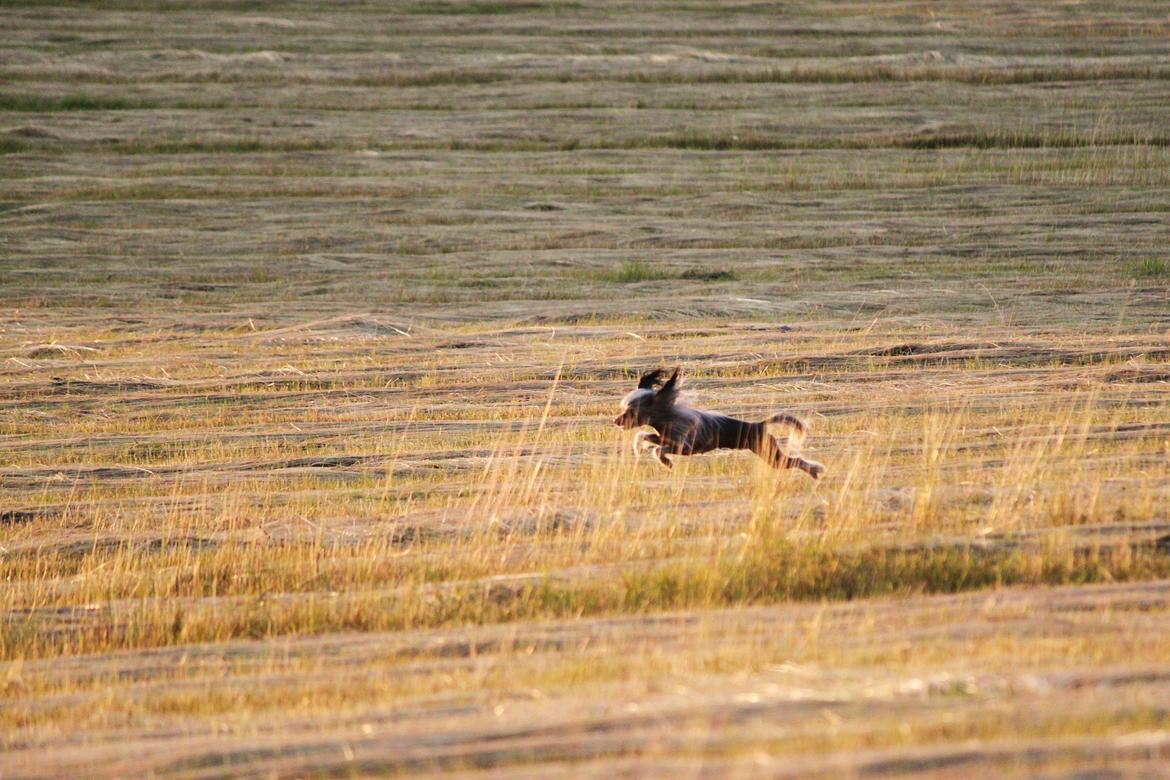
<point x="660" y="453"/>
<point x="644" y="441"/>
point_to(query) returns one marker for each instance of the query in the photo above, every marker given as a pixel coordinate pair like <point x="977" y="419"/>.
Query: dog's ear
<point x="650" y="378"/>
<point x="669" y="391"/>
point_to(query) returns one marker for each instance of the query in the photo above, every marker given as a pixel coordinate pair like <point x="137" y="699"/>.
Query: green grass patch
<point x="638" y="271"/>
<point x="780" y="571"/>
<point x="1151" y="268"/>
<point x="866" y="74"/>
<point x="487" y="9"/>
<point x="14" y="142"/>
<point x="975" y="138"/>
<point x="150" y="6"/>
<point x="709" y="275"/>
<point x="52" y="103"/>
<point x="628" y="273"/>
<point x="771" y="571"/>
<point x="430" y="78"/>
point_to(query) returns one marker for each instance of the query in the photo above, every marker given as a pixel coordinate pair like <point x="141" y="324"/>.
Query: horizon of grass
<point x="686" y="140"/>
<point x="834" y="74"/>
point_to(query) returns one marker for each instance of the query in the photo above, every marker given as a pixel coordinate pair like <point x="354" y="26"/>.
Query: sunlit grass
<point x="310" y="343"/>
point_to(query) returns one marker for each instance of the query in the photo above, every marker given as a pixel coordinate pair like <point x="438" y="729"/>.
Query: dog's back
<point x="728" y="433"/>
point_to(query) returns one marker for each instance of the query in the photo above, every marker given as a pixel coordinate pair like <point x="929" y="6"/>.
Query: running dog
<point x="680" y="430"/>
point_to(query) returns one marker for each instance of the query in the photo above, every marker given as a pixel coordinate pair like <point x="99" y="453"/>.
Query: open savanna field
<point x="314" y="318"/>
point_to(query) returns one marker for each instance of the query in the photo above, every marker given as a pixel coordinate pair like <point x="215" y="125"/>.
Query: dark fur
<point x="680" y="430"/>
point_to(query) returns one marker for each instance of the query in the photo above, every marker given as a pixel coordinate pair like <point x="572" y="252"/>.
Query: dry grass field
<point x="313" y="318"/>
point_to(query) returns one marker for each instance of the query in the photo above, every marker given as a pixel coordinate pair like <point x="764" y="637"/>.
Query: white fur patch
<point x="635" y="395"/>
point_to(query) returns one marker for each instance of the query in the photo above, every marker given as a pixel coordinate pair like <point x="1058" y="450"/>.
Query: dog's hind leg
<point x="810" y="467"/>
<point x="777" y="458"/>
<point x="797" y="429"/>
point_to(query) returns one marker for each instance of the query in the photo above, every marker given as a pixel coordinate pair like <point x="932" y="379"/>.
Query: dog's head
<point x="652" y="399"/>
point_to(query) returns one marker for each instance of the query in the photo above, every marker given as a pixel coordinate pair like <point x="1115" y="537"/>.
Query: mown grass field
<point x="313" y="318"/>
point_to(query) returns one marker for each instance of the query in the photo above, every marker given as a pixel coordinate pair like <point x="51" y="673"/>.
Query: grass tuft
<point x="709" y="275"/>
<point x="638" y="271"/>
<point x="634" y="271"/>
<point x="1151" y="267"/>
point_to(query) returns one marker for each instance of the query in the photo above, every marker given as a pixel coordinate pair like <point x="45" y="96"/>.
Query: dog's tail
<point x="797" y="429"/>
